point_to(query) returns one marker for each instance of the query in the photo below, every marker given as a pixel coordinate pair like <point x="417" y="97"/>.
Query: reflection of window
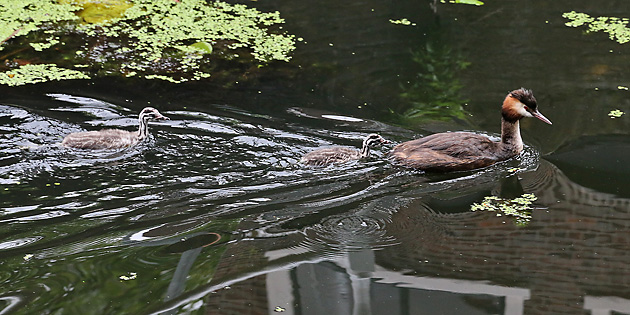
<point x="514" y="298"/>
<point x="354" y="284"/>
<point x="605" y="305"/>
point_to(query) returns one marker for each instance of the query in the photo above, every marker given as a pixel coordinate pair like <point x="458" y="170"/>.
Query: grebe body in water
<point x="337" y="154"/>
<point x="459" y="151"/>
<point x="114" y="138"/>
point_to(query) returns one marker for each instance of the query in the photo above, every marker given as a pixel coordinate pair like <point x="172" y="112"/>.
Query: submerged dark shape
<point x="336" y="154"/>
<point x="459" y="151"/>
<point x="114" y="138"/>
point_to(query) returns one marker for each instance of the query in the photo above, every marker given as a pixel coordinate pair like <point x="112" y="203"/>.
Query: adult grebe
<point x="337" y="155"/>
<point x="458" y="151"/>
<point x="113" y="138"/>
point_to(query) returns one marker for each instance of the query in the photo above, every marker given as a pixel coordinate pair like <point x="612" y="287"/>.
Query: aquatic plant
<point x="473" y="2"/>
<point x="434" y="93"/>
<point x="20" y="17"/>
<point x="131" y="276"/>
<point x="617" y="28"/>
<point x="98" y="12"/>
<point x="35" y="73"/>
<point x="519" y="208"/>
<point x="402" y="21"/>
<point x="615" y="113"/>
<point x="155" y="39"/>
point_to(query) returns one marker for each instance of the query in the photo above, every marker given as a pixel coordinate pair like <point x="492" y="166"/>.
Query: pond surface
<point x="213" y="214"/>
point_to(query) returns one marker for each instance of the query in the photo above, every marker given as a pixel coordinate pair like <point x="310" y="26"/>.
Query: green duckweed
<point x="131" y="276"/>
<point x="21" y="17"/>
<point x="176" y="41"/>
<point x="615" y="113"/>
<point x="617" y="28"/>
<point x="472" y="2"/>
<point x="402" y="21"/>
<point x="32" y="73"/>
<point x="519" y="208"/>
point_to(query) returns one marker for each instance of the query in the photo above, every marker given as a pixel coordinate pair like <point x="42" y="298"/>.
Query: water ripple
<point x="19" y="242"/>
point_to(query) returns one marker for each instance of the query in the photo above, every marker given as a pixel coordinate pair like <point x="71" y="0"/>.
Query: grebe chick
<point x="337" y="154"/>
<point x="459" y="151"/>
<point x="114" y="138"/>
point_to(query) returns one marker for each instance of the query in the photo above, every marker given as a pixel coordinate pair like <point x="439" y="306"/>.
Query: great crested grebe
<point x="336" y="154"/>
<point x="114" y="138"/>
<point x="459" y="151"/>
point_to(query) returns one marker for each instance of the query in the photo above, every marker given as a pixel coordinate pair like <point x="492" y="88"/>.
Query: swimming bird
<point x="459" y="151"/>
<point x="114" y="138"/>
<point x="337" y="154"/>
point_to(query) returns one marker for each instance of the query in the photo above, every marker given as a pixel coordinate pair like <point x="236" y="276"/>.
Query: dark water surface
<point x="213" y="214"/>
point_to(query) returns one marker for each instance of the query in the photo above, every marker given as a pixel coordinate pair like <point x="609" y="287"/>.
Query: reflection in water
<point x="204" y="175"/>
<point x="442" y="260"/>
<point x="365" y="237"/>
<point x="242" y="221"/>
<point x="599" y="162"/>
<point x="434" y="92"/>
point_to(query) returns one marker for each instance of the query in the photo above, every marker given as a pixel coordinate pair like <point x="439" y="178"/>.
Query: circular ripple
<point x="348" y="232"/>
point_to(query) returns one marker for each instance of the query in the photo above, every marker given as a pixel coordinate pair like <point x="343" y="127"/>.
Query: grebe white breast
<point x="458" y="151"/>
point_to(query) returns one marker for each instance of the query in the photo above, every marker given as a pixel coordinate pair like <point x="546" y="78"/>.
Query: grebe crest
<point x="338" y="155"/>
<point x="114" y="138"/>
<point x="458" y="151"/>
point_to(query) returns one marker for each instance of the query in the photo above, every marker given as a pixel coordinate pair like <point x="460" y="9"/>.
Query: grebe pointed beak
<point x="540" y="116"/>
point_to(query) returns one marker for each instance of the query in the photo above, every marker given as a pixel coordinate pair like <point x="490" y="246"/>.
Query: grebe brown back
<point x="458" y="151"/>
<point x="114" y="138"/>
<point x="337" y="154"/>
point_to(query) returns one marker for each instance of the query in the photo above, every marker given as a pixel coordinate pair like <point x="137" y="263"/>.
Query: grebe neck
<point x="365" y="150"/>
<point x="511" y="135"/>
<point x="143" y="130"/>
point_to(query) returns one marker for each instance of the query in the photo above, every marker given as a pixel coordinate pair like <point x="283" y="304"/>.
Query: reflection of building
<point x="578" y="246"/>
<point x="353" y="284"/>
<point x="605" y="305"/>
<point x="572" y="258"/>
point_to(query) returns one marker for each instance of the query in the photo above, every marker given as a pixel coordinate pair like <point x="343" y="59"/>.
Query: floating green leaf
<point x="402" y="21"/>
<point x="203" y="47"/>
<point x="131" y="276"/>
<point x="99" y="11"/>
<point x="473" y="2"/>
<point x="615" y="113"/>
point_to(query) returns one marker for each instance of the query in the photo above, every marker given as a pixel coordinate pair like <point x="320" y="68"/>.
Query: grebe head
<point x="150" y="113"/>
<point x="521" y="103"/>
<point x="374" y="139"/>
<point x="371" y="140"/>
